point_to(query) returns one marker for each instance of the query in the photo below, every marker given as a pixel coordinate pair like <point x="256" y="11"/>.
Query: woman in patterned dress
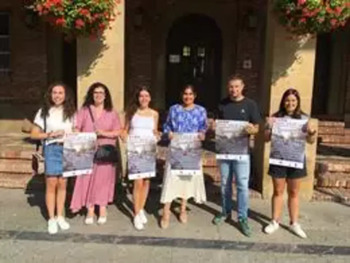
<point x="186" y="117"/>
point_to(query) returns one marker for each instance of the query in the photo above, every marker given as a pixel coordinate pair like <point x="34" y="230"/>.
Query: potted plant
<point x="301" y="17"/>
<point x="78" y="17"/>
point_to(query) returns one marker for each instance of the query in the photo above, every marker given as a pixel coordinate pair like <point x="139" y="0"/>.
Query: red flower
<point x="48" y="5"/>
<point x="329" y="10"/>
<point x="102" y="26"/>
<point x="39" y="8"/>
<point x="301" y="2"/>
<point x="302" y="20"/>
<point x="84" y="12"/>
<point x="334" y="22"/>
<point x="338" y="10"/>
<point x="79" y="23"/>
<point x="60" y="21"/>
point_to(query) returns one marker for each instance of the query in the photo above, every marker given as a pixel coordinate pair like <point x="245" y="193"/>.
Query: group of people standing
<point x="57" y="116"/>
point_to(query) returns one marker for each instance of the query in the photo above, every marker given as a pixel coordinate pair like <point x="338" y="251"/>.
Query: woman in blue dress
<point x="186" y="117"/>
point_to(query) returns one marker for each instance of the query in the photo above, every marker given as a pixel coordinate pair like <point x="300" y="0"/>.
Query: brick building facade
<point x="25" y="77"/>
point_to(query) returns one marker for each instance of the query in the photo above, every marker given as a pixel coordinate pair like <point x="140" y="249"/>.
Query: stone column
<point x="288" y="63"/>
<point x="102" y="60"/>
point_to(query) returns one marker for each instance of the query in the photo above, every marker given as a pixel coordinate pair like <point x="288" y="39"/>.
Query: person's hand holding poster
<point x="186" y="154"/>
<point x="288" y="141"/>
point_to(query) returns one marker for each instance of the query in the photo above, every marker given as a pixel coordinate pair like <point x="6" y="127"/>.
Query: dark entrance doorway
<point x="194" y="50"/>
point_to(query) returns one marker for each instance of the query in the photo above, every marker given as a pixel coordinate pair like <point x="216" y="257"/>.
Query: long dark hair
<point x="68" y="104"/>
<point x="89" y="98"/>
<point x="282" y="110"/>
<point x="135" y="103"/>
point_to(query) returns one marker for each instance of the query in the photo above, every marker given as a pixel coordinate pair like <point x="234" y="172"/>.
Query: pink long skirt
<point x="94" y="189"/>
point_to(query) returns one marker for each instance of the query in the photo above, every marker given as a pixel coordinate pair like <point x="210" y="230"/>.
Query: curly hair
<point x="89" y="98"/>
<point x="135" y="103"/>
<point x="68" y="104"/>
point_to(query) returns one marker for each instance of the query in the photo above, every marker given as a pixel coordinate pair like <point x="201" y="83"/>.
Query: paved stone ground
<point x="23" y="236"/>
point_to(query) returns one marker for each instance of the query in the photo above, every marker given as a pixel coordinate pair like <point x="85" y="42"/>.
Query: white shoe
<point x="102" y="220"/>
<point x="143" y="217"/>
<point x="62" y="223"/>
<point x="296" y="229"/>
<point x="52" y="227"/>
<point x="272" y="227"/>
<point x="89" y="220"/>
<point x="138" y="223"/>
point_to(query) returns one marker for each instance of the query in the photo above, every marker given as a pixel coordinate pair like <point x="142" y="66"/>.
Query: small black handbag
<point x="107" y="153"/>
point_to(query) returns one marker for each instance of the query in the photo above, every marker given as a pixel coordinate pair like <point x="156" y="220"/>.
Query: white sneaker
<point x="62" y="223"/>
<point x="143" y="217"/>
<point x="89" y="220"/>
<point x="138" y="223"/>
<point x="272" y="227"/>
<point x="52" y="227"/>
<point x="296" y="229"/>
<point x="102" y="220"/>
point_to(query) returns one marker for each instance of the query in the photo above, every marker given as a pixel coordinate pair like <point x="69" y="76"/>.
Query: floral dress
<point x="181" y="120"/>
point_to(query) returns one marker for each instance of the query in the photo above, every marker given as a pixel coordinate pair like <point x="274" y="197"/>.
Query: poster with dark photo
<point x="231" y="140"/>
<point x="78" y="153"/>
<point x="141" y="153"/>
<point x="185" y="154"/>
<point x="288" y="141"/>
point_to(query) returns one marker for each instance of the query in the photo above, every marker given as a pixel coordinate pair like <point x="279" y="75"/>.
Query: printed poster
<point x="78" y="153"/>
<point x="288" y="141"/>
<point x="142" y="154"/>
<point x="185" y="154"/>
<point x="231" y="140"/>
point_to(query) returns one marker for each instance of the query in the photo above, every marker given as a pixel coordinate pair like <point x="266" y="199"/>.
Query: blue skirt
<point x="53" y="154"/>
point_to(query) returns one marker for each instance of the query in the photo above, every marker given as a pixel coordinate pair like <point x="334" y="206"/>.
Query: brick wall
<point x="249" y="43"/>
<point x="20" y="91"/>
<point x="138" y="47"/>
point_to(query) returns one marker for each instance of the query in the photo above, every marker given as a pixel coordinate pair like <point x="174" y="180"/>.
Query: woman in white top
<point x="141" y="120"/>
<point x="52" y="121"/>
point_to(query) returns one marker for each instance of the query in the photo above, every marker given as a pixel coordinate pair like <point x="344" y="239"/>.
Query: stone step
<point x="21" y="181"/>
<point x="340" y="195"/>
<point x="339" y="124"/>
<point x="334" y="180"/>
<point x="335" y="139"/>
<point x="16" y="153"/>
<point x="17" y="166"/>
<point x="325" y="130"/>
<point x="332" y="165"/>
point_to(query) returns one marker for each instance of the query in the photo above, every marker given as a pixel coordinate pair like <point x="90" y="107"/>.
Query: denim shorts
<point x="53" y="154"/>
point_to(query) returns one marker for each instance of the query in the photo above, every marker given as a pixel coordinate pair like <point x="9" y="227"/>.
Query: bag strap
<point x="92" y="117"/>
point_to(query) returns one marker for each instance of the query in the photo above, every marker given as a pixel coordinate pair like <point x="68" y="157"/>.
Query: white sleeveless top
<point x="142" y="125"/>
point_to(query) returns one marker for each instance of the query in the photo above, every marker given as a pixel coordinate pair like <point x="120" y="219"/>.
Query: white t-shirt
<point x="54" y="122"/>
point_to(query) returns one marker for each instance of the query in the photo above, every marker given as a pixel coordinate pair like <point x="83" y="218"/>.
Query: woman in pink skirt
<point x="97" y="188"/>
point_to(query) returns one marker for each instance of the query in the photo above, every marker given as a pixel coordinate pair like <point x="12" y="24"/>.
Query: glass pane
<point x="4" y="61"/>
<point x="201" y="52"/>
<point x="186" y="51"/>
<point x="4" y="24"/>
<point x="4" y="44"/>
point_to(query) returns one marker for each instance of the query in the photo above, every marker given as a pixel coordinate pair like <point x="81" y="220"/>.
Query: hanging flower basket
<point x="301" y="17"/>
<point x="77" y="17"/>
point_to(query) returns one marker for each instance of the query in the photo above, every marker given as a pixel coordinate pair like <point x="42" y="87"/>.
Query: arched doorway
<point x="194" y="51"/>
